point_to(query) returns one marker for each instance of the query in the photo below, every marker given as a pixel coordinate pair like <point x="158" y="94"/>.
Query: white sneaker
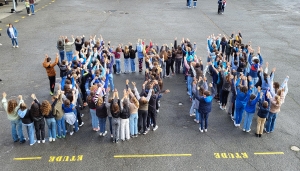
<point x="82" y="115"/>
<point x="14" y="46"/>
<point x="0" y="44"/>
<point x="43" y="141"/>
<point x="33" y="142"/>
<point x="157" y="110"/>
<point x="71" y="133"/>
<point x="248" y="130"/>
<point x="200" y="130"/>
<point x="205" y="130"/>
<point x="155" y="128"/>
<point x="81" y="124"/>
<point x="104" y="133"/>
<point x="221" y="107"/>
<point x="17" y="46"/>
<point x="100" y="134"/>
<point x="193" y="114"/>
<point x="39" y="141"/>
<point x="50" y="139"/>
<point x="53" y="139"/>
<point x="244" y="130"/>
<point x="196" y="121"/>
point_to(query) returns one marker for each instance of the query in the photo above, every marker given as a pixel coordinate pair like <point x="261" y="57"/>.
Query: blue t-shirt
<point x="68" y="109"/>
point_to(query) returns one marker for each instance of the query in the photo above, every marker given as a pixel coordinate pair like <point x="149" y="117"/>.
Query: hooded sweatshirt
<point x="241" y="97"/>
<point x="251" y="105"/>
<point x="205" y="102"/>
<point x="50" y="67"/>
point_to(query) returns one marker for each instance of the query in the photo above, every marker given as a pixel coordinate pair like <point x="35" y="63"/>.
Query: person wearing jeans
<point x="32" y="6"/>
<point x="11" y="107"/>
<point x="274" y="109"/>
<point x="133" y="121"/>
<point x="51" y="128"/>
<point x="250" y="110"/>
<point x="58" y="114"/>
<point x="69" y="48"/>
<point x="13" y="34"/>
<point x="101" y="110"/>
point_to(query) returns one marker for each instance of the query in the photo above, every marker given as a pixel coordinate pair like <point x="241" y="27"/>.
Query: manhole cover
<point x="294" y="148"/>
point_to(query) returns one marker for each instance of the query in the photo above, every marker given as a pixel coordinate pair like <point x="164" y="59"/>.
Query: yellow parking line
<point x="267" y="153"/>
<point x="28" y="158"/>
<point x="7" y="25"/>
<point x="152" y="155"/>
<point x="23" y="17"/>
<point x="0" y="29"/>
<point x="46" y="5"/>
<point x="16" y="21"/>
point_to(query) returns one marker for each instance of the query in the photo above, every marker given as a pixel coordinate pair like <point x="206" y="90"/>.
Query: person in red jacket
<point x="50" y="71"/>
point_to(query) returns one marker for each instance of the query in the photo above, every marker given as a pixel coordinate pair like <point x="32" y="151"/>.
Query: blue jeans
<point x="51" y="127"/>
<point x="195" y="3"/>
<point x="102" y="122"/>
<point x="126" y="65"/>
<point x="76" y="122"/>
<point x="189" y="3"/>
<point x="30" y="132"/>
<point x="110" y="124"/>
<point x="248" y="121"/>
<point x="95" y="122"/>
<point x="271" y="122"/>
<point x="133" y="121"/>
<point x="238" y="114"/>
<point x="69" y="56"/>
<point x="61" y="127"/>
<point x="189" y="85"/>
<point x="198" y="118"/>
<point x="132" y="64"/>
<point x="14" y="41"/>
<point x="192" y="109"/>
<point x="254" y="81"/>
<point x="32" y="8"/>
<point x="62" y="55"/>
<point x="111" y="81"/>
<point x="17" y="124"/>
<point x="118" y="66"/>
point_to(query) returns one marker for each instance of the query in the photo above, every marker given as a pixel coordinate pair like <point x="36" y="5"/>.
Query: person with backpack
<point x="27" y="121"/>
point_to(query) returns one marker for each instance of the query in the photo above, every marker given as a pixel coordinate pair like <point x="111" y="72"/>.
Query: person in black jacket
<point x="38" y="118"/>
<point x="27" y="121"/>
<point x="132" y="57"/>
<point x="115" y="112"/>
<point x="101" y="112"/>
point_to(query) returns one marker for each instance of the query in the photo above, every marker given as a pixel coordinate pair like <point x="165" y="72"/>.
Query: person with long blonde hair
<point x="47" y="111"/>
<point x="11" y="107"/>
<point x="126" y="53"/>
<point x="274" y="109"/>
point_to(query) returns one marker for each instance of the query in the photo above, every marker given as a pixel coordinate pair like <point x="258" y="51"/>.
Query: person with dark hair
<point x="115" y="110"/>
<point x="50" y="71"/>
<point x="27" y="121"/>
<point x="61" y="48"/>
<point x="38" y="118"/>
<point x="11" y="107"/>
<point x="13" y="34"/>
<point x="32" y="6"/>
<point x="263" y="112"/>
<point x="69" y="48"/>
<point x="250" y="110"/>
<point x="132" y="57"/>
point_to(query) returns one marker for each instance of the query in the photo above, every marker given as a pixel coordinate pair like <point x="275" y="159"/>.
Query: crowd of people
<point x="237" y="70"/>
<point x="87" y="80"/>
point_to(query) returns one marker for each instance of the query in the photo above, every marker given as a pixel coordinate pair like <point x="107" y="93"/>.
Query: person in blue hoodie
<point x="250" y="110"/>
<point x="140" y="54"/>
<point x="204" y="108"/>
<point x="242" y="97"/>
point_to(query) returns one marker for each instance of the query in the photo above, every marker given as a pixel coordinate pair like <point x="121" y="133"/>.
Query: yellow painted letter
<point x="79" y="158"/>
<point x="217" y="155"/>
<point x="51" y="158"/>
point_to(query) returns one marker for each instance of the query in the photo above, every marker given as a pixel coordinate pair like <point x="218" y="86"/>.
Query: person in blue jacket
<point x="242" y="97"/>
<point x="13" y="34"/>
<point x="250" y="110"/>
<point x="204" y="108"/>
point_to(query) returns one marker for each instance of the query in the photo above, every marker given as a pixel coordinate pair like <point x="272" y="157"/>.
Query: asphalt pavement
<point x="177" y="144"/>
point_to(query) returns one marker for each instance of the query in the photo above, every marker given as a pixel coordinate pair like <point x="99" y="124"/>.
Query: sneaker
<point x="192" y="114"/>
<point x="53" y="139"/>
<point x="104" y="133"/>
<point x="100" y="134"/>
<point x="111" y="136"/>
<point x="17" y="46"/>
<point x="23" y="141"/>
<point x="71" y="133"/>
<point x="117" y="141"/>
<point x="50" y="139"/>
<point x="81" y="124"/>
<point x="157" y="110"/>
<point x="43" y="141"/>
<point x="248" y="130"/>
<point x="39" y="141"/>
<point x="14" y="46"/>
<point x="63" y="136"/>
<point x="196" y="121"/>
<point x="244" y="130"/>
<point x="257" y="135"/>
<point x="17" y="140"/>
<point x="205" y="130"/>
<point x="144" y="133"/>
<point x="221" y="107"/>
<point x="148" y="129"/>
<point x="33" y="142"/>
<point x="238" y="124"/>
<point x="232" y="118"/>
<point x="82" y="115"/>
<point x="167" y="75"/>
<point x="58" y="136"/>
<point x="51" y="93"/>
<point x="135" y="135"/>
<point x="155" y="128"/>
<point x="200" y="130"/>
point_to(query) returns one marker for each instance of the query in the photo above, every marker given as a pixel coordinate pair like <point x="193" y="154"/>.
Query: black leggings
<point x="224" y="97"/>
<point x="152" y="116"/>
<point x="168" y="66"/>
<point x="52" y="83"/>
<point x="142" y="120"/>
<point x="40" y="129"/>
